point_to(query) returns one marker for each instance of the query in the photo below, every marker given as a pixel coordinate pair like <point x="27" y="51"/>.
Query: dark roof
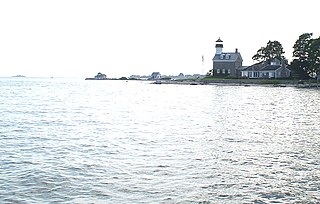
<point x="270" y="68"/>
<point x="155" y="73"/>
<point x="227" y="57"/>
<point x="219" y="40"/>
<point x="262" y="66"/>
<point x="242" y="68"/>
<point x="255" y="67"/>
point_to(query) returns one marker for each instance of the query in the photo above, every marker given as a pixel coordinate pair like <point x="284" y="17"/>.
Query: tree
<point x="301" y="47"/>
<point x="298" y="72"/>
<point x="301" y="51"/>
<point x="260" y="55"/>
<point x="306" y="53"/>
<point x="314" y="58"/>
<point x="273" y="50"/>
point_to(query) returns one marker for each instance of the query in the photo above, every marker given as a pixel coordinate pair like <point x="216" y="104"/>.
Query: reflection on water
<point x="82" y="141"/>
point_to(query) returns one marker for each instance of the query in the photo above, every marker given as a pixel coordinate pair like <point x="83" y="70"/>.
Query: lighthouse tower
<point x="219" y="46"/>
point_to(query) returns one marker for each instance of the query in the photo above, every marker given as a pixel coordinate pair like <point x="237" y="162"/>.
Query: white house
<point x="155" y="75"/>
<point x="272" y="69"/>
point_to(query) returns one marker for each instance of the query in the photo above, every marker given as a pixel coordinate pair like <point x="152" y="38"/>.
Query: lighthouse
<point x="226" y="63"/>
<point x="219" y="46"/>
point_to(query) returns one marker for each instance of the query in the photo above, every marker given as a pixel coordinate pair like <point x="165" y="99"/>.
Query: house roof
<point x="242" y="68"/>
<point x="255" y="67"/>
<point x="219" y="40"/>
<point x="262" y="66"/>
<point x="155" y="74"/>
<point x="227" y="57"/>
<point x="270" y="68"/>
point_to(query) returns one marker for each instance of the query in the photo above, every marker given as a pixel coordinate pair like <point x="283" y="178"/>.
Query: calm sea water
<point x="77" y="141"/>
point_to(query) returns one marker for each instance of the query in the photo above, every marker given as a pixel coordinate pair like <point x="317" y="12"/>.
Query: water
<point x="76" y="141"/>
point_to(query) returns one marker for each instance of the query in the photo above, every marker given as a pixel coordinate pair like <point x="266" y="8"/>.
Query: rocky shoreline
<point x="240" y="82"/>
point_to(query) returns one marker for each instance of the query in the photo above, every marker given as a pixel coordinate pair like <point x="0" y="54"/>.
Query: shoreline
<point x="241" y="82"/>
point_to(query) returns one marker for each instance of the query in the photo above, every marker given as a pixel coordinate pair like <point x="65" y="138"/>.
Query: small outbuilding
<point x="155" y="76"/>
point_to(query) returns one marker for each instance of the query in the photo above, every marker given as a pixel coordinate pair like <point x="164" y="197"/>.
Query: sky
<point x="79" y="38"/>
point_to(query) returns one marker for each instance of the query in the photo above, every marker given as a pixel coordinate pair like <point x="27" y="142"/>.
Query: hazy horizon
<point x="123" y="38"/>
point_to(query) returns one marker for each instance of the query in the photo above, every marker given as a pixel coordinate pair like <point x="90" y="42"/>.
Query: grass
<point x="250" y="81"/>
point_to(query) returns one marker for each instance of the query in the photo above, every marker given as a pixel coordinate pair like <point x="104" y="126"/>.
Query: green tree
<point x="301" y="47"/>
<point x="301" y="51"/>
<point x="260" y="55"/>
<point x="314" y="58"/>
<point x="298" y="72"/>
<point x="273" y="50"/>
<point x="306" y="54"/>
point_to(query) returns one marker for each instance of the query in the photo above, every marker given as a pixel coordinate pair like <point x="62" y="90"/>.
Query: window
<point x="256" y="74"/>
<point x="223" y="71"/>
<point x="222" y="56"/>
<point x="229" y="71"/>
<point x="218" y="71"/>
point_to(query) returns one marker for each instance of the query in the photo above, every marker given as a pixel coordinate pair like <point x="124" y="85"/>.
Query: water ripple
<point x="77" y="141"/>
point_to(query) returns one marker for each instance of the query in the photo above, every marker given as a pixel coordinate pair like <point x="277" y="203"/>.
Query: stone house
<point x="226" y="63"/>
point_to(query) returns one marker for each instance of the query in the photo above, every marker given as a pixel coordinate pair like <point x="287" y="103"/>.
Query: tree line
<point x="306" y="56"/>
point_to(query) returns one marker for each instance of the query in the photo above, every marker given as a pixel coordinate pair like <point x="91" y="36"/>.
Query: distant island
<point x="19" y="75"/>
<point x="99" y="76"/>
<point x="153" y="77"/>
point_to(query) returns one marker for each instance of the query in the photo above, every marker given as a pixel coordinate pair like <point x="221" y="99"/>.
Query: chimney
<point x="236" y="50"/>
<point x="283" y="63"/>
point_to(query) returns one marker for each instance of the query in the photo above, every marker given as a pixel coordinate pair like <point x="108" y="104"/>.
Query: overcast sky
<point x="79" y="38"/>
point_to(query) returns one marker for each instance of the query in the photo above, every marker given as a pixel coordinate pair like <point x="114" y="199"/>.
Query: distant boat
<point x="99" y="76"/>
<point x="19" y="76"/>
